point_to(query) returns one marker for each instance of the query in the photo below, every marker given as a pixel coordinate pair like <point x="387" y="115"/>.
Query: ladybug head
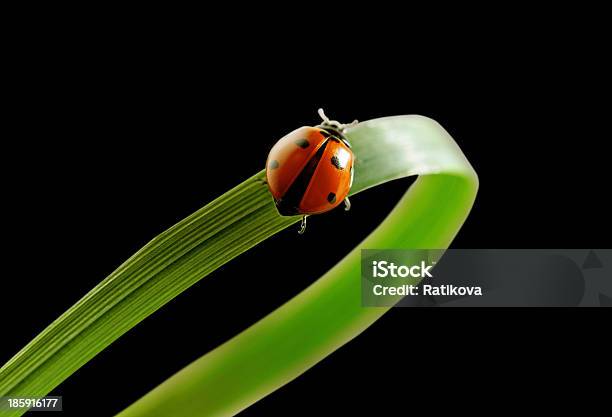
<point x="336" y="127"/>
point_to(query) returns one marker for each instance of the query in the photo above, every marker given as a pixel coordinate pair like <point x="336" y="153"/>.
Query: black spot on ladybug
<point x="331" y="197"/>
<point x="302" y="143"/>
<point x="336" y="162"/>
<point x="273" y="164"/>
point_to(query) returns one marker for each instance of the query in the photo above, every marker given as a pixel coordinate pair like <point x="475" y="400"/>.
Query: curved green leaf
<point x="295" y="336"/>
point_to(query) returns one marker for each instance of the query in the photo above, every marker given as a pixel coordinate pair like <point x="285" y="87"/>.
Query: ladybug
<point x="310" y="170"/>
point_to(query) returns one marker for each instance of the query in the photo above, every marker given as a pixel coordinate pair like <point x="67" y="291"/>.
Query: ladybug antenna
<point x="323" y="116"/>
<point x="334" y="123"/>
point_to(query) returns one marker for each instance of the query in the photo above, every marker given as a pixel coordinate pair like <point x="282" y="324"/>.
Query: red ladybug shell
<point x="309" y="171"/>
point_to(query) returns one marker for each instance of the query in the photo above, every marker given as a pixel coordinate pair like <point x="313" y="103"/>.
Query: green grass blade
<point x="329" y="313"/>
<point x="292" y="338"/>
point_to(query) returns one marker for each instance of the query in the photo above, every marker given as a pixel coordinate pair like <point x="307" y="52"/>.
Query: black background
<point x="112" y="140"/>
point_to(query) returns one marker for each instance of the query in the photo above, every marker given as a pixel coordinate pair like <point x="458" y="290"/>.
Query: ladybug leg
<point x="303" y="225"/>
<point x="347" y="204"/>
<point x="262" y="181"/>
